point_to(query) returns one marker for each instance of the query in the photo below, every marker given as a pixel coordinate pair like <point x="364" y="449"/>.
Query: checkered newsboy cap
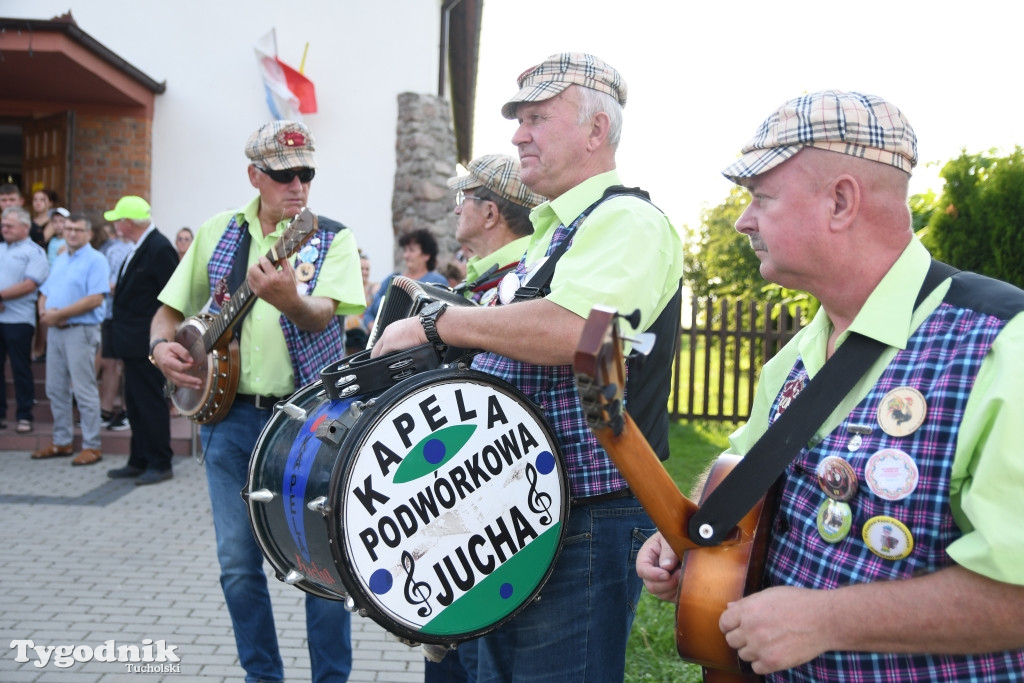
<point x="558" y="72"/>
<point x="851" y="123"/>
<point x="499" y="173"/>
<point x="280" y="145"/>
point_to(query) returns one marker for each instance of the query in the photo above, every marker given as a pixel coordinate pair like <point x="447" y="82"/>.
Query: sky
<point x="702" y="76"/>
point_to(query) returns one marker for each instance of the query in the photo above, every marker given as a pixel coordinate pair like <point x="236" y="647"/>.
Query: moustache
<point x="757" y="244"/>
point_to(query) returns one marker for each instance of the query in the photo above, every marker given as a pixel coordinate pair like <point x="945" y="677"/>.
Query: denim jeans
<point x="228" y="446"/>
<point x="576" y="631"/>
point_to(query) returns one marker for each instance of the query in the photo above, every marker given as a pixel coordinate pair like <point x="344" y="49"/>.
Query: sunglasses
<point x="305" y="175"/>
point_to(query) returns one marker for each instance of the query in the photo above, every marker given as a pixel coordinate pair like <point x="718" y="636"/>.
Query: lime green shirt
<point x="266" y="368"/>
<point x="510" y="253"/>
<point x="624" y="241"/>
<point x="987" y="479"/>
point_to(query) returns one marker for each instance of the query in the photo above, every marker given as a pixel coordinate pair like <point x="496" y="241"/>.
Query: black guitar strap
<point x="783" y="441"/>
<point x="239" y="266"/>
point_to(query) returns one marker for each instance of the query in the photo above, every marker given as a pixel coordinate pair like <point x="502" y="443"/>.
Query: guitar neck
<point x="669" y="509"/>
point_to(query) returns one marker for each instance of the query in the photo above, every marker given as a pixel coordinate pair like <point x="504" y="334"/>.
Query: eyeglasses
<point x="461" y="197"/>
<point x="305" y="175"/>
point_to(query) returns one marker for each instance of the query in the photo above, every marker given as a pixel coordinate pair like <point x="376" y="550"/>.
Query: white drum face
<point x="452" y="508"/>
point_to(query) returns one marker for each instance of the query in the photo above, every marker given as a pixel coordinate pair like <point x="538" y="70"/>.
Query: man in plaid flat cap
<point x="603" y="244"/>
<point x="493" y="208"/>
<point x="292" y="330"/>
<point x="923" y="519"/>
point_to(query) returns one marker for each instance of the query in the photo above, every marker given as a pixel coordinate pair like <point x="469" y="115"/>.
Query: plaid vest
<point x="308" y="351"/>
<point x="941" y="360"/>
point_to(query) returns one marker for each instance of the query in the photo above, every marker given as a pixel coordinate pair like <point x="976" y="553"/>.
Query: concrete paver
<point x="85" y="559"/>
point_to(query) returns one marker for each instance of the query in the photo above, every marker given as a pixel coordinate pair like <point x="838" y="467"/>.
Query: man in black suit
<point x="144" y="273"/>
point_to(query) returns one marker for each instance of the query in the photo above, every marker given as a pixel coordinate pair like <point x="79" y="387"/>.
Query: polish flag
<point x="289" y="93"/>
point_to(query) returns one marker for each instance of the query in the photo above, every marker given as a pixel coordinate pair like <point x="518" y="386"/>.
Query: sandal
<point x="53" y="452"/>
<point x="24" y="426"/>
<point x="88" y="456"/>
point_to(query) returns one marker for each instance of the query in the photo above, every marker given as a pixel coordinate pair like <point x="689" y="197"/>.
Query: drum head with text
<point x="449" y="511"/>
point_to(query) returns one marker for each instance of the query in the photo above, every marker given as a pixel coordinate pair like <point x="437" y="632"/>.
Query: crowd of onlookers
<point x="28" y="256"/>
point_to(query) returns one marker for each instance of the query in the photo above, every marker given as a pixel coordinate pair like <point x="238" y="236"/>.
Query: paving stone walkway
<point x="85" y="559"/>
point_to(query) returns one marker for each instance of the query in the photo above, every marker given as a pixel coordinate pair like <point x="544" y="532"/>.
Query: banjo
<point x="211" y="343"/>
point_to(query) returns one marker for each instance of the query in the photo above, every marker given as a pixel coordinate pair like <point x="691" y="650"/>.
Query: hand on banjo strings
<point x="175" y="362"/>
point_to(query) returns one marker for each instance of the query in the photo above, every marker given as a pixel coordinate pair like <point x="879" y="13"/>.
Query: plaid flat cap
<point x="499" y="173"/>
<point x="280" y="145"/>
<point x="864" y="126"/>
<point x="558" y="72"/>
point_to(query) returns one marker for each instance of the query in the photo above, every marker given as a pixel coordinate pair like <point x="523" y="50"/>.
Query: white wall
<point x="361" y="55"/>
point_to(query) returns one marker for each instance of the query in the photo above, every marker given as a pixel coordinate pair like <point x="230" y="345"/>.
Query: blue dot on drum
<point x="545" y="462"/>
<point x="505" y="591"/>
<point x="433" y="451"/>
<point x="381" y="581"/>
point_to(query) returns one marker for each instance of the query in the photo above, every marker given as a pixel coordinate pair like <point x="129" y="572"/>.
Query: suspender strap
<point x="790" y="433"/>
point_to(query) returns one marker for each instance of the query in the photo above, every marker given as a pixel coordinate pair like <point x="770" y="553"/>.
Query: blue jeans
<point x="576" y="632"/>
<point x="228" y="446"/>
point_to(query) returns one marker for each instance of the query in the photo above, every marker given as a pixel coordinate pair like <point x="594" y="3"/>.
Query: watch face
<point x="432" y="308"/>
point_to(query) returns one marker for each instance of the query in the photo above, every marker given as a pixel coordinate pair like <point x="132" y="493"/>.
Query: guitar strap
<point x="239" y="266"/>
<point x="768" y="458"/>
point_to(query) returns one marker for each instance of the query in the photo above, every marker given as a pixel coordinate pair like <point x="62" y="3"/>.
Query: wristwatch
<point x="152" y="347"/>
<point x="428" y="318"/>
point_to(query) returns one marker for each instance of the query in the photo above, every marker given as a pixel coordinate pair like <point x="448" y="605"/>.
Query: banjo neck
<point x="218" y="332"/>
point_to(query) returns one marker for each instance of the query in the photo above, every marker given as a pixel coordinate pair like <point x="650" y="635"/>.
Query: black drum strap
<point x="540" y="283"/>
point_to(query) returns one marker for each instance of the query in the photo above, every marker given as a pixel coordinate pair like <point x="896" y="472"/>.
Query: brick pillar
<point x="425" y="159"/>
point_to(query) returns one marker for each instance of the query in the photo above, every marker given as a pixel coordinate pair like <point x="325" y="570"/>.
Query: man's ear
<point x="600" y="126"/>
<point x="845" y="196"/>
<point x="253" y="175"/>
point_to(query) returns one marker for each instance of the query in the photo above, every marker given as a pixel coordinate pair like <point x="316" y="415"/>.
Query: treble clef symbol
<point x="416" y="592"/>
<point x="539" y="500"/>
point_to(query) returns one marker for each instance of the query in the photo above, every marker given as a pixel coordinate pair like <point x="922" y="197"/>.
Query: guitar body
<point x="218" y="369"/>
<point x="711" y="578"/>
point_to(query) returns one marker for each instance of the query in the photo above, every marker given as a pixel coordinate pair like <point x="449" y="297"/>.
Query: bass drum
<point x="447" y="508"/>
<point x="295" y="456"/>
<point x="436" y="506"/>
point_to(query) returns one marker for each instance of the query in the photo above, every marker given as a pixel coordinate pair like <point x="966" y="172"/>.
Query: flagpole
<point x="302" y="64"/>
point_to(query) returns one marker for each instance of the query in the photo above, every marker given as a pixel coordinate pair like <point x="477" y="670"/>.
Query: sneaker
<point x="119" y="423"/>
<point x="105" y="417"/>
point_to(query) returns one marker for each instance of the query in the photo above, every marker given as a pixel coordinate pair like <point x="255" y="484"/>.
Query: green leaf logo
<point x="432" y="452"/>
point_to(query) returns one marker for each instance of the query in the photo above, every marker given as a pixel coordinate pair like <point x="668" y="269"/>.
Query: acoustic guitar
<point x="211" y="342"/>
<point x="710" y="577"/>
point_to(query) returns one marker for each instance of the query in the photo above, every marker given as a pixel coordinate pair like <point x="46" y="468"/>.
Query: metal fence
<point x="722" y="346"/>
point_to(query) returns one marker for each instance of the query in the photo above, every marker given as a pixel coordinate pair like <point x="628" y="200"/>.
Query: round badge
<point x="837" y="478"/>
<point x="902" y="411"/>
<point x="304" y="272"/>
<point x="888" y="538"/>
<point x="507" y="288"/>
<point x="308" y="254"/>
<point x="834" y="520"/>
<point x="891" y="474"/>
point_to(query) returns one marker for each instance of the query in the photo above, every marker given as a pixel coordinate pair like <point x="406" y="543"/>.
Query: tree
<point x="979" y="224"/>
